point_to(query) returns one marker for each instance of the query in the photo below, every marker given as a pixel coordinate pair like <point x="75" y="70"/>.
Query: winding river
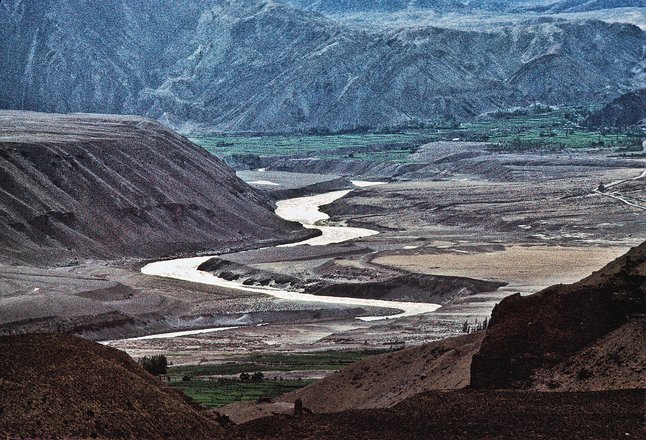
<point x="304" y="210"/>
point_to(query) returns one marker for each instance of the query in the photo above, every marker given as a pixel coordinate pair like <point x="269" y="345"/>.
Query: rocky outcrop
<point x="81" y="186"/>
<point x="627" y="110"/>
<point x="255" y="65"/>
<point x="615" y="361"/>
<point x="539" y="331"/>
<point x="369" y="282"/>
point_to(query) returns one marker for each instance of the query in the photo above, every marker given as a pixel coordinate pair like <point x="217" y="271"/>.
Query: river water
<point x="305" y="210"/>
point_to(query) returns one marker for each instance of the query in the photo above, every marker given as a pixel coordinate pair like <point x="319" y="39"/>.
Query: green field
<point x="531" y="129"/>
<point x="217" y="392"/>
<point x="325" y="360"/>
<point x="213" y="393"/>
<point x="389" y="147"/>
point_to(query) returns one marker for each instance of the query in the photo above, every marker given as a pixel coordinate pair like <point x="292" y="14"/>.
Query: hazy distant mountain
<point x="350" y="6"/>
<point x="593" y="5"/>
<point x="89" y="55"/>
<point x="628" y="109"/>
<point x="446" y="6"/>
<point x="258" y="65"/>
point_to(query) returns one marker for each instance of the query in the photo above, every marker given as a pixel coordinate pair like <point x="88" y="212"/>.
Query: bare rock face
<point x="90" y="186"/>
<point x="539" y="331"/>
<point x="255" y="65"/>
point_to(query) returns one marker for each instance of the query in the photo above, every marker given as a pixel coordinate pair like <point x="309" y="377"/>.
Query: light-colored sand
<point x="537" y="266"/>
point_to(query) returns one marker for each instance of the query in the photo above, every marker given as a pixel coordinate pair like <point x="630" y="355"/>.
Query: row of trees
<point x="255" y="377"/>
<point x="476" y="326"/>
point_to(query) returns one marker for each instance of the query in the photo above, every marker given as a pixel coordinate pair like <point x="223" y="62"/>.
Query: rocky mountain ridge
<point x="255" y="65"/>
<point x="453" y="6"/>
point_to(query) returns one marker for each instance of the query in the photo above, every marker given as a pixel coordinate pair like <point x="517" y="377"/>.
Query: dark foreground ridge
<point x="470" y="414"/>
<point x="109" y="186"/>
<point x="57" y="386"/>
<point x="545" y="329"/>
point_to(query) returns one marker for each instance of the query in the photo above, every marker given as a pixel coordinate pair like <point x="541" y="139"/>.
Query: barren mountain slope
<point x="628" y="109"/>
<point x="377" y="382"/>
<point x="616" y="361"/>
<point x="109" y="186"/>
<point x="470" y="414"/>
<point x="591" y="5"/>
<point x="255" y="65"/>
<point x="540" y="331"/>
<point x="56" y="386"/>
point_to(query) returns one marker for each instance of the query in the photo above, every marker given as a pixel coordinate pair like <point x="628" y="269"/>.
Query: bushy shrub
<point x="156" y="364"/>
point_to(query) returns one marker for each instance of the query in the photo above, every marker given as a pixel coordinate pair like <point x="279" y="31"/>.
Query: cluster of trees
<point x="476" y="326"/>
<point x="518" y="145"/>
<point x="255" y="377"/>
<point x="156" y="364"/>
<point x="535" y="109"/>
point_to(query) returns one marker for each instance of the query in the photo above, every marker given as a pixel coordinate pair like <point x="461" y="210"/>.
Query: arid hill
<point x="56" y="386"/>
<point x="470" y="414"/>
<point x="377" y="382"/>
<point x="582" y="342"/>
<point x="109" y="186"/>
<point x="628" y="109"/>
<point x="567" y="339"/>
<point x="544" y="330"/>
<point x="615" y="361"/>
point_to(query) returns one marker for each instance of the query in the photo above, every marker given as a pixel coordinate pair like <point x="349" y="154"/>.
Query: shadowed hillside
<point x="628" y="109"/>
<point x="470" y="414"/>
<point x="110" y="186"/>
<point x="545" y="329"/>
